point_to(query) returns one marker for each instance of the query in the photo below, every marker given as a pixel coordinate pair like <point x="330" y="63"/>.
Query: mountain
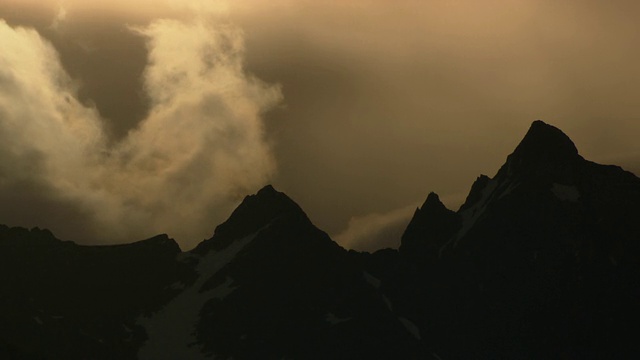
<point x="541" y="261"/>
<point x="60" y="300"/>
<point x="272" y="285"/>
<point x="268" y="284"/>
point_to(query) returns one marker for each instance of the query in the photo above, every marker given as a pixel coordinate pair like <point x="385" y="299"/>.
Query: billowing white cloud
<point x="46" y="132"/>
<point x="180" y="171"/>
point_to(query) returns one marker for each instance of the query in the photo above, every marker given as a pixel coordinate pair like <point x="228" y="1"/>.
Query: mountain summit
<point x="544" y="142"/>
<point x="430" y="228"/>
<point x="543" y="148"/>
<point x="255" y="212"/>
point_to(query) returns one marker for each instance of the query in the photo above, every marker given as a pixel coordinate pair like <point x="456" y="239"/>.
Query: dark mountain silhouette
<point x="296" y="294"/>
<point x="430" y="228"/>
<point x="60" y="300"/>
<point x="541" y="261"/>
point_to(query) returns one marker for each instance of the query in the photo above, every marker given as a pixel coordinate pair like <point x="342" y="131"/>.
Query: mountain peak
<point x="433" y="202"/>
<point x="255" y="212"/>
<point x="266" y="190"/>
<point x="431" y="226"/>
<point x="546" y="142"/>
<point x="543" y="144"/>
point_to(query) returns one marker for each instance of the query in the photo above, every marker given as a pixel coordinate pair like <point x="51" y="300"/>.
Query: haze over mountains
<point x="541" y="261"/>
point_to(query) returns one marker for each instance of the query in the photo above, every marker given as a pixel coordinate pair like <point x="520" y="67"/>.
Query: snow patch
<point x="388" y="303"/>
<point x="186" y="257"/>
<point x="221" y="291"/>
<point x="332" y="319"/>
<point x="411" y="327"/>
<point x="471" y="215"/>
<point x="171" y="330"/>
<point x="508" y="190"/>
<point x="371" y="280"/>
<point x="177" y="286"/>
<point x="566" y="192"/>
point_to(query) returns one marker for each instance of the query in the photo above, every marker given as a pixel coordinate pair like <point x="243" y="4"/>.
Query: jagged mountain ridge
<point x="268" y="284"/>
<point x="546" y="165"/>
<point x="283" y="289"/>
<point x="540" y="261"/>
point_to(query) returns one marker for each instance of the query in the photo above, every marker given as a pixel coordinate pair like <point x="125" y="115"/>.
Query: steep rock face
<point x="430" y="228"/>
<point x="543" y="263"/>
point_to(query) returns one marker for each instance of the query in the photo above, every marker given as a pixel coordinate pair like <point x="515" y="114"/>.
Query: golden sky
<point x="356" y="109"/>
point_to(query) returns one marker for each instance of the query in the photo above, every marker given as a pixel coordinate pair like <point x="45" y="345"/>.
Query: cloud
<point x="376" y="231"/>
<point x="61" y="17"/>
<point x="381" y="230"/>
<point x="201" y="147"/>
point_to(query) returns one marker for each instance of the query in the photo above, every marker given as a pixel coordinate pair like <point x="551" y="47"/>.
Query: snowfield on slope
<point x="171" y="330"/>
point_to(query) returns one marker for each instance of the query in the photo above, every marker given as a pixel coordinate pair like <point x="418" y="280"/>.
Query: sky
<point x="121" y="119"/>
